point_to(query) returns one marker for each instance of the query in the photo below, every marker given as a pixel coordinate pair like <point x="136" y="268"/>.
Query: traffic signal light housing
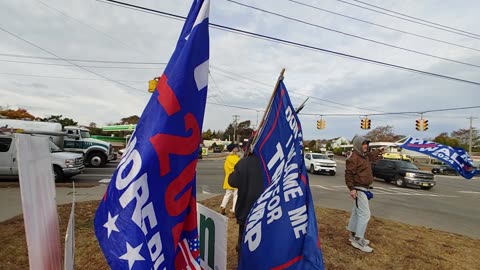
<point x="365" y="123"/>
<point x="421" y="124"/>
<point x="320" y="124"/>
<point x="152" y="85"/>
<point x="418" y="124"/>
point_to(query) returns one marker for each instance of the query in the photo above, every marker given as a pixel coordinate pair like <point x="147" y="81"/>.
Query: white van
<point x="65" y="164"/>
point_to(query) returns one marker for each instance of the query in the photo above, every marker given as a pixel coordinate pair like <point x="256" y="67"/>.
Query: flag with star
<point x="147" y="218"/>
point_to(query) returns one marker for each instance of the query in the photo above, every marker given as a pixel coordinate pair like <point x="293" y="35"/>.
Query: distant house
<point x="337" y="142"/>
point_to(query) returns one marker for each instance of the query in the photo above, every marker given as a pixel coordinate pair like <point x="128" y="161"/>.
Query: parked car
<point x="444" y="169"/>
<point x="403" y="173"/>
<point x="320" y="163"/>
<point x="217" y="149"/>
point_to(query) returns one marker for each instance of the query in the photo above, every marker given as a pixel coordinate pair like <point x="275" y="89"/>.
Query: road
<point x="450" y="206"/>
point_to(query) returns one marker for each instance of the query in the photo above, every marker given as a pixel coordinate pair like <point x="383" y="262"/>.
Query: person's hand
<point x="353" y="194"/>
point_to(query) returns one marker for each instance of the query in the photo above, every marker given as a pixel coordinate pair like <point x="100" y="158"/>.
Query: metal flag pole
<point x="269" y="106"/>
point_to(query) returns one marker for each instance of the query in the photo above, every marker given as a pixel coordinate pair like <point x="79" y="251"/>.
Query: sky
<point x="37" y="36"/>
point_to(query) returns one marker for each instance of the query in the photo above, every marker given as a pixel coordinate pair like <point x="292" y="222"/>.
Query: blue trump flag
<point x="457" y="158"/>
<point x="147" y="218"/>
<point x="281" y="229"/>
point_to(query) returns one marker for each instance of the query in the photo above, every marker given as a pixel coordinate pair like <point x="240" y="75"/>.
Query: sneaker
<point x="222" y="211"/>
<point x="360" y="244"/>
<point x="365" y="241"/>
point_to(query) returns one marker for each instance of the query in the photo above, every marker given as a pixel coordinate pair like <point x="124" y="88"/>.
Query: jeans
<point x="360" y="215"/>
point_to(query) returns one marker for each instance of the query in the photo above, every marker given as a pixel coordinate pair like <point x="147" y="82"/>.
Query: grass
<point x="396" y="245"/>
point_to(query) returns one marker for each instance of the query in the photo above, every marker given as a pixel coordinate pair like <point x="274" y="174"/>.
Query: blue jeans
<point x="360" y="215"/>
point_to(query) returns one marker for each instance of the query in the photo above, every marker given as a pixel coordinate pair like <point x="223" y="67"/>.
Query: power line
<point x="69" y="65"/>
<point x="82" y="60"/>
<point x="354" y="36"/>
<point x="38" y="47"/>
<point x="408" y="20"/>
<point x="422" y="20"/>
<point x="58" y="77"/>
<point x="385" y="27"/>
<point x="295" y="44"/>
<point x="392" y="113"/>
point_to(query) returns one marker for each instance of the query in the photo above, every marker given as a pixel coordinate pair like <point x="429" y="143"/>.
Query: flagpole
<point x="260" y="127"/>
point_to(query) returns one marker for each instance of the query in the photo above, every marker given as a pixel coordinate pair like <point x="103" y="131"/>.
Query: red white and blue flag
<point x="148" y="218"/>
<point x="457" y="158"/>
<point x="281" y="229"/>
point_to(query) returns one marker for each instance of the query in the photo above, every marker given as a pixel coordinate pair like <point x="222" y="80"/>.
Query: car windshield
<point x="85" y="134"/>
<point x="54" y="147"/>
<point x="408" y="165"/>
<point x="319" y="156"/>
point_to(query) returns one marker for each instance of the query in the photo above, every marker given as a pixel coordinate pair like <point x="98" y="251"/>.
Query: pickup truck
<point x="65" y="164"/>
<point x="320" y="163"/>
<point x="403" y="173"/>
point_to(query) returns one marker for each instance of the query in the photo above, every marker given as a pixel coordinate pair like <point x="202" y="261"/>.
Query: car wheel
<point x="96" y="160"/>
<point x="399" y="181"/>
<point x="332" y="173"/>
<point x="312" y="170"/>
<point x="58" y="174"/>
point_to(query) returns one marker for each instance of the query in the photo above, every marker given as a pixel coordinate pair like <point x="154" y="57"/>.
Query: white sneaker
<point x="360" y="244"/>
<point x="352" y="238"/>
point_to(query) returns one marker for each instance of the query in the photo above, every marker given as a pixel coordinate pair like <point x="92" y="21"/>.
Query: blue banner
<point x="457" y="158"/>
<point x="281" y="229"/>
<point x="147" y="218"/>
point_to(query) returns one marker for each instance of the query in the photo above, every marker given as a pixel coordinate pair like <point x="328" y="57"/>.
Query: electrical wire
<point x="82" y="60"/>
<point x="294" y="44"/>
<point x="40" y="48"/>
<point x="408" y="20"/>
<point x="416" y="18"/>
<point x="70" y="65"/>
<point x="354" y="36"/>
<point x="384" y="26"/>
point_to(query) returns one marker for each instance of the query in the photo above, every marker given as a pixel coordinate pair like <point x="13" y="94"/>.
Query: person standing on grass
<point x="358" y="178"/>
<point x="230" y="162"/>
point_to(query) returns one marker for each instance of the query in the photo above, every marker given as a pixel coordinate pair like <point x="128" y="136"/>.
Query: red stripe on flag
<point x="289" y="263"/>
<point x="167" y="97"/>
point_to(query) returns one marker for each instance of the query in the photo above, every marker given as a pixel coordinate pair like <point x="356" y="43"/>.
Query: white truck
<point x="316" y="162"/>
<point x="65" y="164"/>
<point x="96" y="153"/>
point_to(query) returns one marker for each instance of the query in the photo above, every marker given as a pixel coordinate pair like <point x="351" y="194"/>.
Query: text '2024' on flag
<point x="457" y="158"/>
<point x="147" y="218"/>
<point x="281" y="229"/>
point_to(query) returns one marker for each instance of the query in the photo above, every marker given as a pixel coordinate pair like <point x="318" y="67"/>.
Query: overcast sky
<point x="244" y="69"/>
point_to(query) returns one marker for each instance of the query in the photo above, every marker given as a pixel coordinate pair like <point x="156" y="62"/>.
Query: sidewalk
<point x="11" y="203"/>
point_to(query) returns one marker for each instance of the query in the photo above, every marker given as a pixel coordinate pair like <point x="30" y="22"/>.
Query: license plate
<point x="425" y="185"/>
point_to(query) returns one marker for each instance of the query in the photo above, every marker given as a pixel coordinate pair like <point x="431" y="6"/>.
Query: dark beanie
<point x="231" y="146"/>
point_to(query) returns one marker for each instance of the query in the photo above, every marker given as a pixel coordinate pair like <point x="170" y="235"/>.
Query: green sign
<point x="119" y="128"/>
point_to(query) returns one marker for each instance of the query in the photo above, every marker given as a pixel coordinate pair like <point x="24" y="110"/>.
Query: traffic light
<point x="152" y="85"/>
<point x="425" y="125"/>
<point x="418" y="124"/>
<point x="365" y="123"/>
<point x="320" y="124"/>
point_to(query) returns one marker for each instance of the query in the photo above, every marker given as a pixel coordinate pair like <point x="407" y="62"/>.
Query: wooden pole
<point x="269" y="106"/>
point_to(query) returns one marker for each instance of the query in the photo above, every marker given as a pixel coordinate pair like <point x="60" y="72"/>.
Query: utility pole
<point x="235" y="123"/>
<point x="470" y="135"/>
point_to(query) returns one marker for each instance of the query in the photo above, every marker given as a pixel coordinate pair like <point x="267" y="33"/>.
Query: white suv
<point x="320" y="163"/>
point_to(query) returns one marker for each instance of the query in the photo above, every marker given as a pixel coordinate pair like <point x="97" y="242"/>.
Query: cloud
<point x="243" y="69"/>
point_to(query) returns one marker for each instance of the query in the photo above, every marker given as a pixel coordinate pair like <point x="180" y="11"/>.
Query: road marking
<point x="106" y="180"/>
<point x="469" y="192"/>
<point x="319" y="186"/>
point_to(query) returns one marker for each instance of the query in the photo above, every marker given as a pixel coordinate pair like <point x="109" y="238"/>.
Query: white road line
<point x="107" y="180"/>
<point x="469" y="192"/>
<point x="319" y="186"/>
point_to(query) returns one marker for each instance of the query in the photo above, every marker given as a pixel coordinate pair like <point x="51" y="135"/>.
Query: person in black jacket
<point x="247" y="177"/>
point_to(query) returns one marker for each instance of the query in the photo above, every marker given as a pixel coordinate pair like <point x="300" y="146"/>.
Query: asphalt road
<point x="450" y="206"/>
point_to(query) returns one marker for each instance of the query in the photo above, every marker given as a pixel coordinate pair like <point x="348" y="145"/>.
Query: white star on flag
<point x="132" y="255"/>
<point x="110" y="224"/>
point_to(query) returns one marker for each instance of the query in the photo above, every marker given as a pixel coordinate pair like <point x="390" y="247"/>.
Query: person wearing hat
<point x="358" y="178"/>
<point x="230" y="162"/>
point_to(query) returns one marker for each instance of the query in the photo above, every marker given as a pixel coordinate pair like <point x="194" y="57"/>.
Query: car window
<point x="5" y="144"/>
<point x="307" y="156"/>
<point x="319" y="156"/>
<point x="408" y="165"/>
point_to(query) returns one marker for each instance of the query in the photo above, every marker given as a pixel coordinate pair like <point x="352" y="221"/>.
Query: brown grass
<point x="397" y="245"/>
